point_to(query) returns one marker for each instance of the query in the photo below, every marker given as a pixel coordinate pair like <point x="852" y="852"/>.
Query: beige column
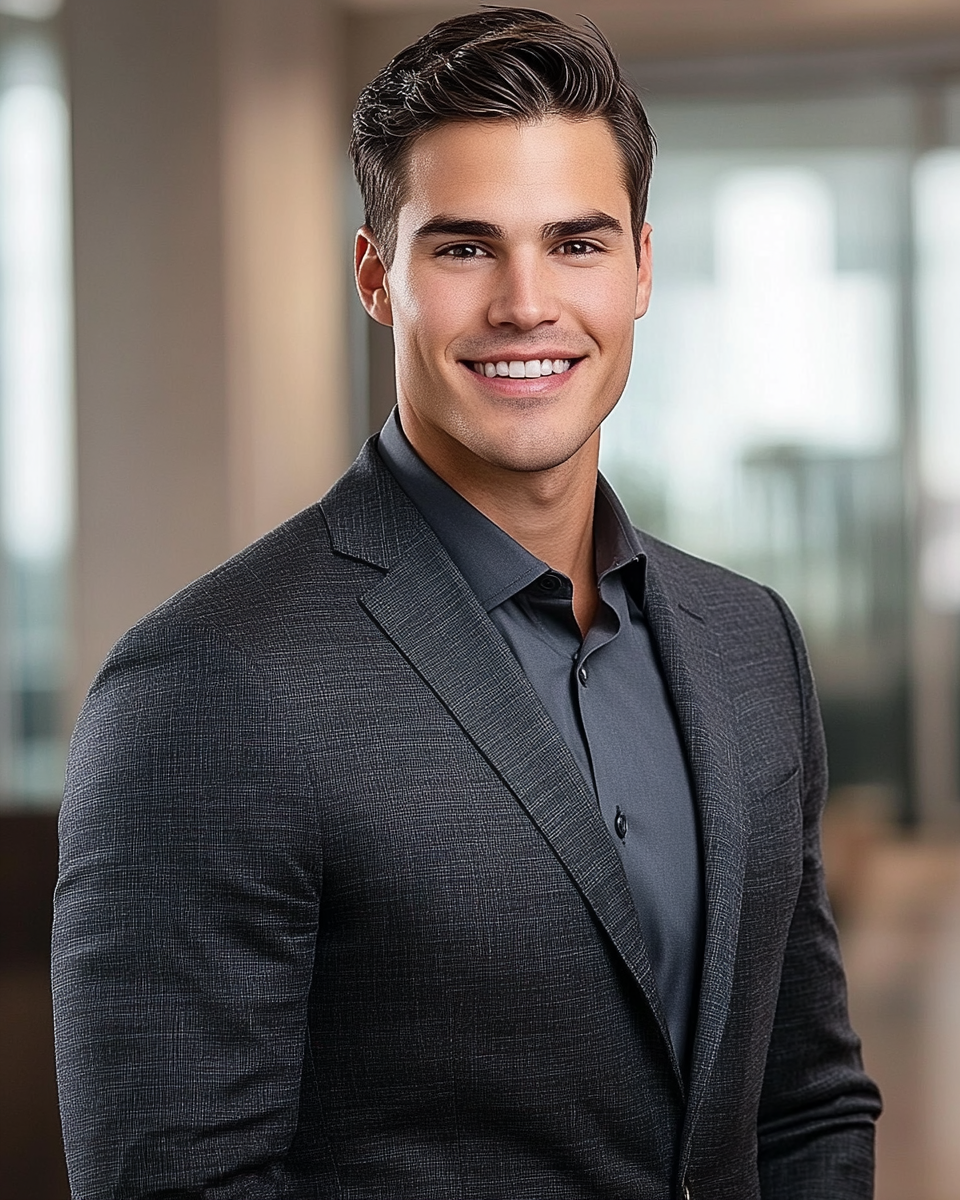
<point x="284" y="164"/>
<point x="152" y="497"/>
<point x="212" y="397"/>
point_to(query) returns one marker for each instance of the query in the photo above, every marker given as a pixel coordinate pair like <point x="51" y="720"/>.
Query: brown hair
<point x="514" y="64"/>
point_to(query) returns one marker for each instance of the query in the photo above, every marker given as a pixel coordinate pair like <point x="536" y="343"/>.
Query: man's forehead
<point x="445" y="142"/>
<point x="498" y="172"/>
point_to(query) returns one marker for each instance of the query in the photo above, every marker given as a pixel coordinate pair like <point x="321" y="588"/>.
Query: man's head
<point x="498" y="64"/>
<point x="504" y="165"/>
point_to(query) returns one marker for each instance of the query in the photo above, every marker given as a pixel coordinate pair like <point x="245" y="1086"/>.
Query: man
<point x="455" y="840"/>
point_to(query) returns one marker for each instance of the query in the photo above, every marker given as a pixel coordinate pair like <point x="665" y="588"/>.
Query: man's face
<point x="514" y="257"/>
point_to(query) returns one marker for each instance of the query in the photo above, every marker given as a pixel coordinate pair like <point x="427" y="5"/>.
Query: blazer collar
<point x="368" y="516"/>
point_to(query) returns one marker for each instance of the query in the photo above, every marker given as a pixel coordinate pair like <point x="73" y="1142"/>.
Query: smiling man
<point x="456" y="839"/>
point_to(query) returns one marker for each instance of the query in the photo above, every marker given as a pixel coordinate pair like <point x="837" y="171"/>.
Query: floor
<point x="899" y="907"/>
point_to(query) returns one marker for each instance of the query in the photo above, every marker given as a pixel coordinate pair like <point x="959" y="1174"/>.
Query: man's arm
<point x="184" y="926"/>
<point x="817" y="1109"/>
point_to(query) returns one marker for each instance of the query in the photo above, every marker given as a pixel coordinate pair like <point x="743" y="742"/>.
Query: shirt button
<point x="582" y="676"/>
<point x="550" y="582"/>
<point x="620" y="824"/>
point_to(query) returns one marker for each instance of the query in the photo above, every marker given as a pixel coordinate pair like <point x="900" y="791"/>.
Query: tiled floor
<point x="901" y="936"/>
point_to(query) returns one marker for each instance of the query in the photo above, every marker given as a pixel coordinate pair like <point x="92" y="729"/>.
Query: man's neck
<point x="550" y="512"/>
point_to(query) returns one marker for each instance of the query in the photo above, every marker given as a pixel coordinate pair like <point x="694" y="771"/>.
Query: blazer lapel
<point x="426" y="608"/>
<point x="693" y="668"/>
<point x="429" y="612"/>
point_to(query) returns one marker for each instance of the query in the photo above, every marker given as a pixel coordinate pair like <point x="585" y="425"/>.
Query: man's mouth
<point x="522" y="368"/>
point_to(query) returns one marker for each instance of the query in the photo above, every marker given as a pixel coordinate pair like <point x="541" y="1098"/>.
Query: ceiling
<point x="652" y="28"/>
<point x="714" y="44"/>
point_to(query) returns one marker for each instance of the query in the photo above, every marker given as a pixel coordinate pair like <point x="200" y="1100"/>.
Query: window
<point x="793" y="407"/>
<point x="36" y="448"/>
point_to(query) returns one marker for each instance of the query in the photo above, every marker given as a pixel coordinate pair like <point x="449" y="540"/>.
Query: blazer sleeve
<point x="185" y="923"/>
<point x="817" y="1107"/>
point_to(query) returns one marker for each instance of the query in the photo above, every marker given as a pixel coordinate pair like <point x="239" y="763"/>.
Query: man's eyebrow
<point x="592" y="222"/>
<point x="449" y="226"/>
<point x="458" y="227"/>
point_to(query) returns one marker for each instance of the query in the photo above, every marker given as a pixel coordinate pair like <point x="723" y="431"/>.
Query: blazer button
<point x="582" y="676"/>
<point x="620" y="825"/>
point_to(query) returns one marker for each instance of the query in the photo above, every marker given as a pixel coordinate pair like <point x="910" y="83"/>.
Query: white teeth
<point x="518" y="368"/>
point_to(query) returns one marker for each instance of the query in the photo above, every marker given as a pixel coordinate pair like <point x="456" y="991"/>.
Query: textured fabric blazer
<point x="338" y="915"/>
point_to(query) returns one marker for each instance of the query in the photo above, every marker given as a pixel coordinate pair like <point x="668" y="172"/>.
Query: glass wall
<point x="937" y="208"/>
<point x="794" y="403"/>
<point x="36" y="448"/>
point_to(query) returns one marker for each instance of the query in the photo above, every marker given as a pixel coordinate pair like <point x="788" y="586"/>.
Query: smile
<point x="518" y="368"/>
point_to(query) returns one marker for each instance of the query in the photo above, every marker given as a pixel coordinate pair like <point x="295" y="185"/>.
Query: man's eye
<point x="578" y="248"/>
<point x="462" y="251"/>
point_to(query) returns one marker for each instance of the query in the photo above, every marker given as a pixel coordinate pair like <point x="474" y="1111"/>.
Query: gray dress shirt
<point x="606" y="694"/>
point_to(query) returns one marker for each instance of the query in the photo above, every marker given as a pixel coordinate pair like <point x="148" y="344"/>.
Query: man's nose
<point x="525" y="295"/>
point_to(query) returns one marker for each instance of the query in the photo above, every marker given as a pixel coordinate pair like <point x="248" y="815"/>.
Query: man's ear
<point x="371" y="276"/>
<point x="644" y="270"/>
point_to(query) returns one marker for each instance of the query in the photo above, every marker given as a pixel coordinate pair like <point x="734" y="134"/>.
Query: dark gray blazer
<point x="338" y="916"/>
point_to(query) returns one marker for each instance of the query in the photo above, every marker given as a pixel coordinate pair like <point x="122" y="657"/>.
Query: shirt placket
<point x="589" y="660"/>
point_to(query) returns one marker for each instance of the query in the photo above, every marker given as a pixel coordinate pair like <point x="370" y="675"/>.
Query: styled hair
<point x="515" y="64"/>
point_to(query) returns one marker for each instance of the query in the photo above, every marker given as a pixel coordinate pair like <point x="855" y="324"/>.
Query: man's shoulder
<point x="748" y="618"/>
<point x="693" y="579"/>
<point x="293" y="578"/>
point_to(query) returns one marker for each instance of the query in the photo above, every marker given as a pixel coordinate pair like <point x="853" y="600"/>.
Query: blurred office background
<point x="182" y="365"/>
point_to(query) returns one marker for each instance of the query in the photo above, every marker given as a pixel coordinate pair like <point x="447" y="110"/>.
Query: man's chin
<point x="529" y="456"/>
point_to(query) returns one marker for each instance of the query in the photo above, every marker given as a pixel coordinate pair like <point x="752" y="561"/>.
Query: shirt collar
<point x="617" y="542"/>
<point x="495" y="565"/>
